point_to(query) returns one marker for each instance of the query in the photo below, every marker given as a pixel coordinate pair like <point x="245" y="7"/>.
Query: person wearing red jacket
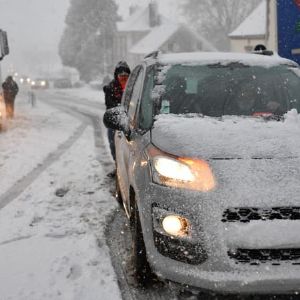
<point x="113" y="95"/>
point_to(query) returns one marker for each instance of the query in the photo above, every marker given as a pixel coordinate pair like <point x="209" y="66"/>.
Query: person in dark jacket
<point x="10" y="90"/>
<point x="113" y="95"/>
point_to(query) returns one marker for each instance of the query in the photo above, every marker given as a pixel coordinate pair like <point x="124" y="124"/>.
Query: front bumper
<point x="218" y="272"/>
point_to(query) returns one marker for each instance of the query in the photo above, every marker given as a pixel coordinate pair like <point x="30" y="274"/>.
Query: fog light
<point x="175" y="225"/>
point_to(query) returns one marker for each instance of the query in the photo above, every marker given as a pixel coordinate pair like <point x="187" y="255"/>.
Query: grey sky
<point x="34" y="29"/>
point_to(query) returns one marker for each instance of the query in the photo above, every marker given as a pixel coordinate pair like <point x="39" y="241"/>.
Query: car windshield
<point x="217" y="90"/>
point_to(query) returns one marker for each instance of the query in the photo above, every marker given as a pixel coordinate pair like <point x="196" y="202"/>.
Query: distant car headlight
<point x="180" y="172"/>
<point x="21" y="80"/>
<point x="32" y="82"/>
<point x="43" y="83"/>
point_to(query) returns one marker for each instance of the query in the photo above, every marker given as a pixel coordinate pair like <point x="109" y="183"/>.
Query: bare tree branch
<point x="215" y="19"/>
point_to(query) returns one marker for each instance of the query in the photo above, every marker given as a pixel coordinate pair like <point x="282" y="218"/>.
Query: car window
<point x="146" y="107"/>
<point x="233" y="89"/>
<point x="135" y="95"/>
<point x="291" y="87"/>
<point x="129" y="88"/>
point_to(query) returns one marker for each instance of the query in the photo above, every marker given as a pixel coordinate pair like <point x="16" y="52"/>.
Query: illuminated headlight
<point x="175" y="225"/>
<point x="43" y="83"/>
<point x="21" y="80"/>
<point x="172" y="168"/>
<point x="32" y="82"/>
<point x="180" y="172"/>
<point x="28" y="80"/>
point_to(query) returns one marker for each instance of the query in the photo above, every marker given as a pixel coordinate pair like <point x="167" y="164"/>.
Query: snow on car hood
<point x="256" y="163"/>
<point x="228" y="137"/>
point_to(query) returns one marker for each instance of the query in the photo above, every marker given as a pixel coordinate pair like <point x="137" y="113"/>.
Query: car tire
<point x="142" y="270"/>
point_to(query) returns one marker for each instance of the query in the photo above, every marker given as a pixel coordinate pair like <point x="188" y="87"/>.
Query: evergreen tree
<point x="88" y="37"/>
<point x="215" y="19"/>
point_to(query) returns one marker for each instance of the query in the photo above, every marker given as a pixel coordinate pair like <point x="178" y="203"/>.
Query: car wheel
<point x="142" y="270"/>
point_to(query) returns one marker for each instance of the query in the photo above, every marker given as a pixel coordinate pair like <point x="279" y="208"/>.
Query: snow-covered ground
<point x="52" y="243"/>
<point x="85" y="92"/>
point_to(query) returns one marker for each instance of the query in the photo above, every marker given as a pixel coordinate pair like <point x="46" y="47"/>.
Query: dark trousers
<point x="111" y="140"/>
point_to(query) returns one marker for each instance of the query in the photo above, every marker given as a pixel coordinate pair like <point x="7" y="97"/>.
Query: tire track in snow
<point x="14" y="191"/>
<point x="93" y="115"/>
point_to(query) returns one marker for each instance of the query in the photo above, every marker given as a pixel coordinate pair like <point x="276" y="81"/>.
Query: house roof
<point x="254" y="25"/>
<point x="160" y="34"/>
<point x="156" y="38"/>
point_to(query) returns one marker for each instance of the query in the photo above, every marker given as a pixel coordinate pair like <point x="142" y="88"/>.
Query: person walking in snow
<point x="10" y="90"/>
<point x="113" y="95"/>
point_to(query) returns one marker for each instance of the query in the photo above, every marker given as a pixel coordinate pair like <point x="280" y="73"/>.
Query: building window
<point x="248" y="48"/>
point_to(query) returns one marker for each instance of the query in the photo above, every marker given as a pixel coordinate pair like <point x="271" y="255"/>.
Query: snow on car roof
<point x="223" y="58"/>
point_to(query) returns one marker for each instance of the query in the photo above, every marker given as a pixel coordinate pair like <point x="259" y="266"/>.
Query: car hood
<point x="255" y="163"/>
<point x="228" y="137"/>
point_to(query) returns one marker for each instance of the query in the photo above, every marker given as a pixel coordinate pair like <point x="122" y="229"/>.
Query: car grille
<point x="247" y="214"/>
<point x="260" y="256"/>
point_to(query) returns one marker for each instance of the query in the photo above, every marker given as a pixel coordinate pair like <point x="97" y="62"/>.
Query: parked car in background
<point x="2" y="113"/>
<point x="40" y="83"/>
<point x="62" y="83"/>
<point x="24" y="80"/>
<point x="208" y="170"/>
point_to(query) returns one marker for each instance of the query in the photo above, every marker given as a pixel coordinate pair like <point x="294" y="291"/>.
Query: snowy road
<point x="54" y="201"/>
<point x="62" y="235"/>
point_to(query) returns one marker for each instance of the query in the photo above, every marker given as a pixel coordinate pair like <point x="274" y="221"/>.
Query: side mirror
<point x="116" y="118"/>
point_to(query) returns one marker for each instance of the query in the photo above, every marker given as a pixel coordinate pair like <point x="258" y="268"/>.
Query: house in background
<point x="146" y="31"/>
<point x="260" y="27"/>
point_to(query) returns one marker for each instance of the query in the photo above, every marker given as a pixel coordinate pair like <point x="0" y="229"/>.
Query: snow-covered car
<point x="208" y="170"/>
<point x="2" y="113"/>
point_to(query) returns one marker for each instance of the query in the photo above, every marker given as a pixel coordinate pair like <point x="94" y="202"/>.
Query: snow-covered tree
<point x="88" y="37"/>
<point x="215" y="19"/>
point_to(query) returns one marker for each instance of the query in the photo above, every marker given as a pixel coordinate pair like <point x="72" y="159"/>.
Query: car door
<point x="125" y="146"/>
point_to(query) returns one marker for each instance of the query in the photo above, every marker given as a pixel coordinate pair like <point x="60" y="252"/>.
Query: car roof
<point x="206" y="58"/>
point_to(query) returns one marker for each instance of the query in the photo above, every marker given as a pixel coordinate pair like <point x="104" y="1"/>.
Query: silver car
<point x="208" y="170"/>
